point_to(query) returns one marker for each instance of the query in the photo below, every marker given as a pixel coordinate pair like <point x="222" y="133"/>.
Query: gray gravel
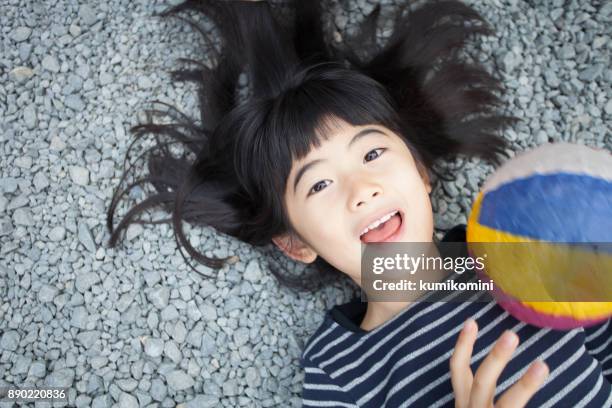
<point x="134" y="326"/>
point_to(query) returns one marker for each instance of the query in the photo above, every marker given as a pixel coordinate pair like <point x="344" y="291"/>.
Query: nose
<point x="363" y="191"/>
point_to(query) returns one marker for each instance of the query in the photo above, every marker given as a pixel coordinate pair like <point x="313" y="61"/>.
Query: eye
<point x="380" y="148"/>
<point x="314" y="188"/>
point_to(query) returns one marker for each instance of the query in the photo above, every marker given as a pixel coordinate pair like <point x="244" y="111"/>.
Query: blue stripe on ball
<point x="559" y="207"/>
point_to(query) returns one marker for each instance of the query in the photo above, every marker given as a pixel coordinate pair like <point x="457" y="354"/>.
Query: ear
<point x="295" y="248"/>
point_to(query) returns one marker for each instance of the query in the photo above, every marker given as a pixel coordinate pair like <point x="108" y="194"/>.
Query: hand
<point x="478" y="391"/>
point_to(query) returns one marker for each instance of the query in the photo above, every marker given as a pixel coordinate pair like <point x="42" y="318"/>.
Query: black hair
<point x="233" y="172"/>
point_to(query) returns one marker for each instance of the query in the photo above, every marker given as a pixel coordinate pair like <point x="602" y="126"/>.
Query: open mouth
<point x="386" y="231"/>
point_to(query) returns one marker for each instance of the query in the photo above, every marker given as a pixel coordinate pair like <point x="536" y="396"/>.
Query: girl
<point x="330" y="138"/>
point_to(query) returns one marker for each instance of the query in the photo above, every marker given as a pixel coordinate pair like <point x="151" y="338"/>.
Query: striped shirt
<point x="405" y="361"/>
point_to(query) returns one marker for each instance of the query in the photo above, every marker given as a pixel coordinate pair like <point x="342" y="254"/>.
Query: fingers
<point x="461" y="374"/>
<point x="483" y="386"/>
<point x="518" y="395"/>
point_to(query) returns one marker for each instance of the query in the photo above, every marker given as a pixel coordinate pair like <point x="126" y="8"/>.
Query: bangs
<point x="289" y="126"/>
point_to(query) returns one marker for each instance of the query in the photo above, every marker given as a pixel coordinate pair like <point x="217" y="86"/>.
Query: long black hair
<point x="237" y="157"/>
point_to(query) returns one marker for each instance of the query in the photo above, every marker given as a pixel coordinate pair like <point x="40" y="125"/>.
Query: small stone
<point x="556" y="13"/>
<point x="172" y="351"/>
<point x="62" y="378"/>
<point x="442" y="222"/>
<point x="230" y="387"/>
<point x="57" y="233"/>
<point x="159" y="296"/>
<point x="252" y="377"/>
<point x="87" y="15"/>
<point x="85" y="237"/>
<point x="8" y="184"/>
<point x="180" y="332"/>
<point x="20" y="201"/>
<point x="208" y="345"/>
<point x="83" y="71"/>
<point x="241" y="336"/>
<point x="158" y="390"/>
<point x="508" y="61"/>
<point x="94" y="383"/>
<point x="124" y="302"/>
<point x="151" y="278"/>
<point x="567" y="52"/>
<point x="153" y="347"/>
<point x="133" y="231"/>
<point x="152" y="320"/>
<point x="75" y="103"/>
<point x="193" y="312"/>
<point x="6" y="227"/>
<point x="201" y="401"/>
<point x="57" y="144"/>
<point x="22" y="216"/>
<point x="47" y="293"/>
<point x="185" y="292"/>
<point x="79" y="317"/>
<point x="127" y="401"/>
<point x="24" y="162"/>
<point x="144" y="82"/>
<point x="102" y="401"/>
<point x="137" y="368"/>
<point x="37" y="369"/>
<point x="608" y="107"/>
<point x="541" y="137"/>
<point x="79" y="175"/>
<point x="86" y="280"/>
<point x="30" y="117"/>
<point x="40" y="181"/>
<point x="88" y="338"/>
<point x="74" y="30"/>
<point x="207" y="288"/>
<point x="179" y="380"/>
<point x="20" y="74"/>
<point x="450" y="189"/>
<point x="50" y="63"/>
<point x="253" y="271"/>
<point x="193" y="369"/>
<point x="591" y="74"/>
<point x="25" y="50"/>
<point x="209" y="312"/>
<point x="598" y="42"/>
<point x="169" y="313"/>
<point x="105" y="78"/>
<point x="82" y="401"/>
<point x="21" y="34"/>
<point x="98" y="362"/>
<point x="10" y="340"/>
<point x="233" y="303"/>
<point x="127" y="384"/>
<point x="75" y="84"/>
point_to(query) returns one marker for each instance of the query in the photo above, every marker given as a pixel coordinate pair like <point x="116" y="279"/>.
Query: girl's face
<point x="358" y="175"/>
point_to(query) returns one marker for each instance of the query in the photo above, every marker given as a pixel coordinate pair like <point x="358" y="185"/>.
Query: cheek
<point x="325" y="229"/>
<point x="408" y="179"/>
<point x="317" y="225"/>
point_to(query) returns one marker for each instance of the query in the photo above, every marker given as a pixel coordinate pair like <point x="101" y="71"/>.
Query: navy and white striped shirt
<point x="405" y="361"/>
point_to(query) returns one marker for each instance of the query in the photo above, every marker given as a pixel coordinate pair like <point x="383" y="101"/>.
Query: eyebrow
<point x="309" y="165"/>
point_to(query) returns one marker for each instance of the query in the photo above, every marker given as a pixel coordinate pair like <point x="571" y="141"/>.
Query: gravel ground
<point x="134" y="326"/>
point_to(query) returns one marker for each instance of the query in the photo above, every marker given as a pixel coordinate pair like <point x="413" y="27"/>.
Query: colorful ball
<point x="543" y="225"/>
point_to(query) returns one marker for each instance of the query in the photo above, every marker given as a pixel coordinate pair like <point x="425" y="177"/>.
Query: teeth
<point x="378" y="222"/>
